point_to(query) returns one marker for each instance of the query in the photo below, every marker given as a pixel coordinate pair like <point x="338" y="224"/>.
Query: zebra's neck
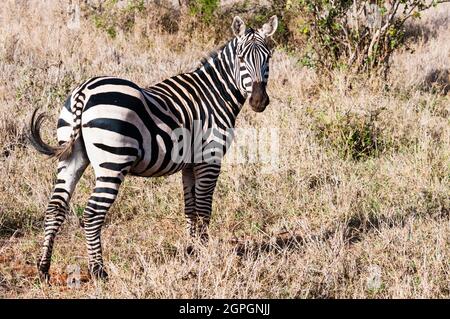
<point x="220" y="68"/>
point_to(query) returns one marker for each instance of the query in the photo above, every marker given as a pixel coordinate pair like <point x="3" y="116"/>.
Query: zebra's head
<point x="252" y="60"/>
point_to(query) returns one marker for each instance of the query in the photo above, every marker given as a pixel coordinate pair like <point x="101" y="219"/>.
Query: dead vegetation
<point x="358" y="206"/>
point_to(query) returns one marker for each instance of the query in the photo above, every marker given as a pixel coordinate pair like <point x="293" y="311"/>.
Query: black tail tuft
<point x="34" y="135"/>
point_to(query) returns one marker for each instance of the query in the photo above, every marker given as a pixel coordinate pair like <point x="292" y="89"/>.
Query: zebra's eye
<point x="241" y="58"/>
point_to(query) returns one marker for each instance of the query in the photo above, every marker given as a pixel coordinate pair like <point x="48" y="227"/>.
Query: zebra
<point x="120" y="128"/>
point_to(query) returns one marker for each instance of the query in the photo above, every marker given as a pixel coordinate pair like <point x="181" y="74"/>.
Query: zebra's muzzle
<point x="259" y="98"/>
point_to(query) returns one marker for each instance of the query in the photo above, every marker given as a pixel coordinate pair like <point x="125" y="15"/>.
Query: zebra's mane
<point x="214" y="53"/>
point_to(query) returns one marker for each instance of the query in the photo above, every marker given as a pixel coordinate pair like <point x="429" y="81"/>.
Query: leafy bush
<point x="358" y="35"/>
<point x="204" y="9"/>
<point x="109" y="17"/>
<point x="353" y="136"/>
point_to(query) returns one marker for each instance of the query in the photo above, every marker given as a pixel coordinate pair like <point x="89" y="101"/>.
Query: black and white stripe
<point x="121" y="128"/>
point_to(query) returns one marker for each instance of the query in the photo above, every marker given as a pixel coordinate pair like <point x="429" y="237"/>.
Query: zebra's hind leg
<point x="105" y="192"/>
<point x="69" y="173"/>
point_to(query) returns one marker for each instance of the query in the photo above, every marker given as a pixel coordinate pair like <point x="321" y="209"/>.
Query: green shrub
<point x="204" y="9"/>
<point x="353" y="136"/>
<point x="110" y="18"/>
<point x="356" y="35"/>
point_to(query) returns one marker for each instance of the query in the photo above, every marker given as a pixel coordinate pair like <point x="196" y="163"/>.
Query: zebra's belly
<point x="167" y="170"/>
<point x="161" y="164"/>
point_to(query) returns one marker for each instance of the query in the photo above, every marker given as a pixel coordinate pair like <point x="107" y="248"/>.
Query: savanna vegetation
<point x="356" y="206"/>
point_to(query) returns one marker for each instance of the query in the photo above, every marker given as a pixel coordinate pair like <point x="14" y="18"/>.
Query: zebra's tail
<point x="61" y="152"/>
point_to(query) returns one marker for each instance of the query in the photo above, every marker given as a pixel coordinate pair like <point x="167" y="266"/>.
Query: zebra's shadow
<point x="349" y="232"/>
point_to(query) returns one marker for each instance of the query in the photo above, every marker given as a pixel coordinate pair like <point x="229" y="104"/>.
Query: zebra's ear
<point x="270" y="27"/>
<point x="238" y="26"/>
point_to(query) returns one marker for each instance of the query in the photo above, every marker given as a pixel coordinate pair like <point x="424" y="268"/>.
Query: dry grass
<point x="358" y="208"/>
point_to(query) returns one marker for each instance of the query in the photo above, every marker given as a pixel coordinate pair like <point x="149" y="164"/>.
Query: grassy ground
<point x="358" y="205"/>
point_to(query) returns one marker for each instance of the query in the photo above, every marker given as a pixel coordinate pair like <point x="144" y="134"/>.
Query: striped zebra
<point x="121" y="128"/>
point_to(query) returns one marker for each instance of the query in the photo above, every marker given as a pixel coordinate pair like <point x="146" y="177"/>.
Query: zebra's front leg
<point x="189" y="200"/>
<point x="206" y="176"/>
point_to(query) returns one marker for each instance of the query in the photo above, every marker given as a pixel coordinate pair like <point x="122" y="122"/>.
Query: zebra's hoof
<point x="44" y="277"/>
<point x="191" y="251"/>
<point x="99" y="273"/>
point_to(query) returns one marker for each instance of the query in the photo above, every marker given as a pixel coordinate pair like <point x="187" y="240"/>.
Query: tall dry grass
<point x="359" y="206"/>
